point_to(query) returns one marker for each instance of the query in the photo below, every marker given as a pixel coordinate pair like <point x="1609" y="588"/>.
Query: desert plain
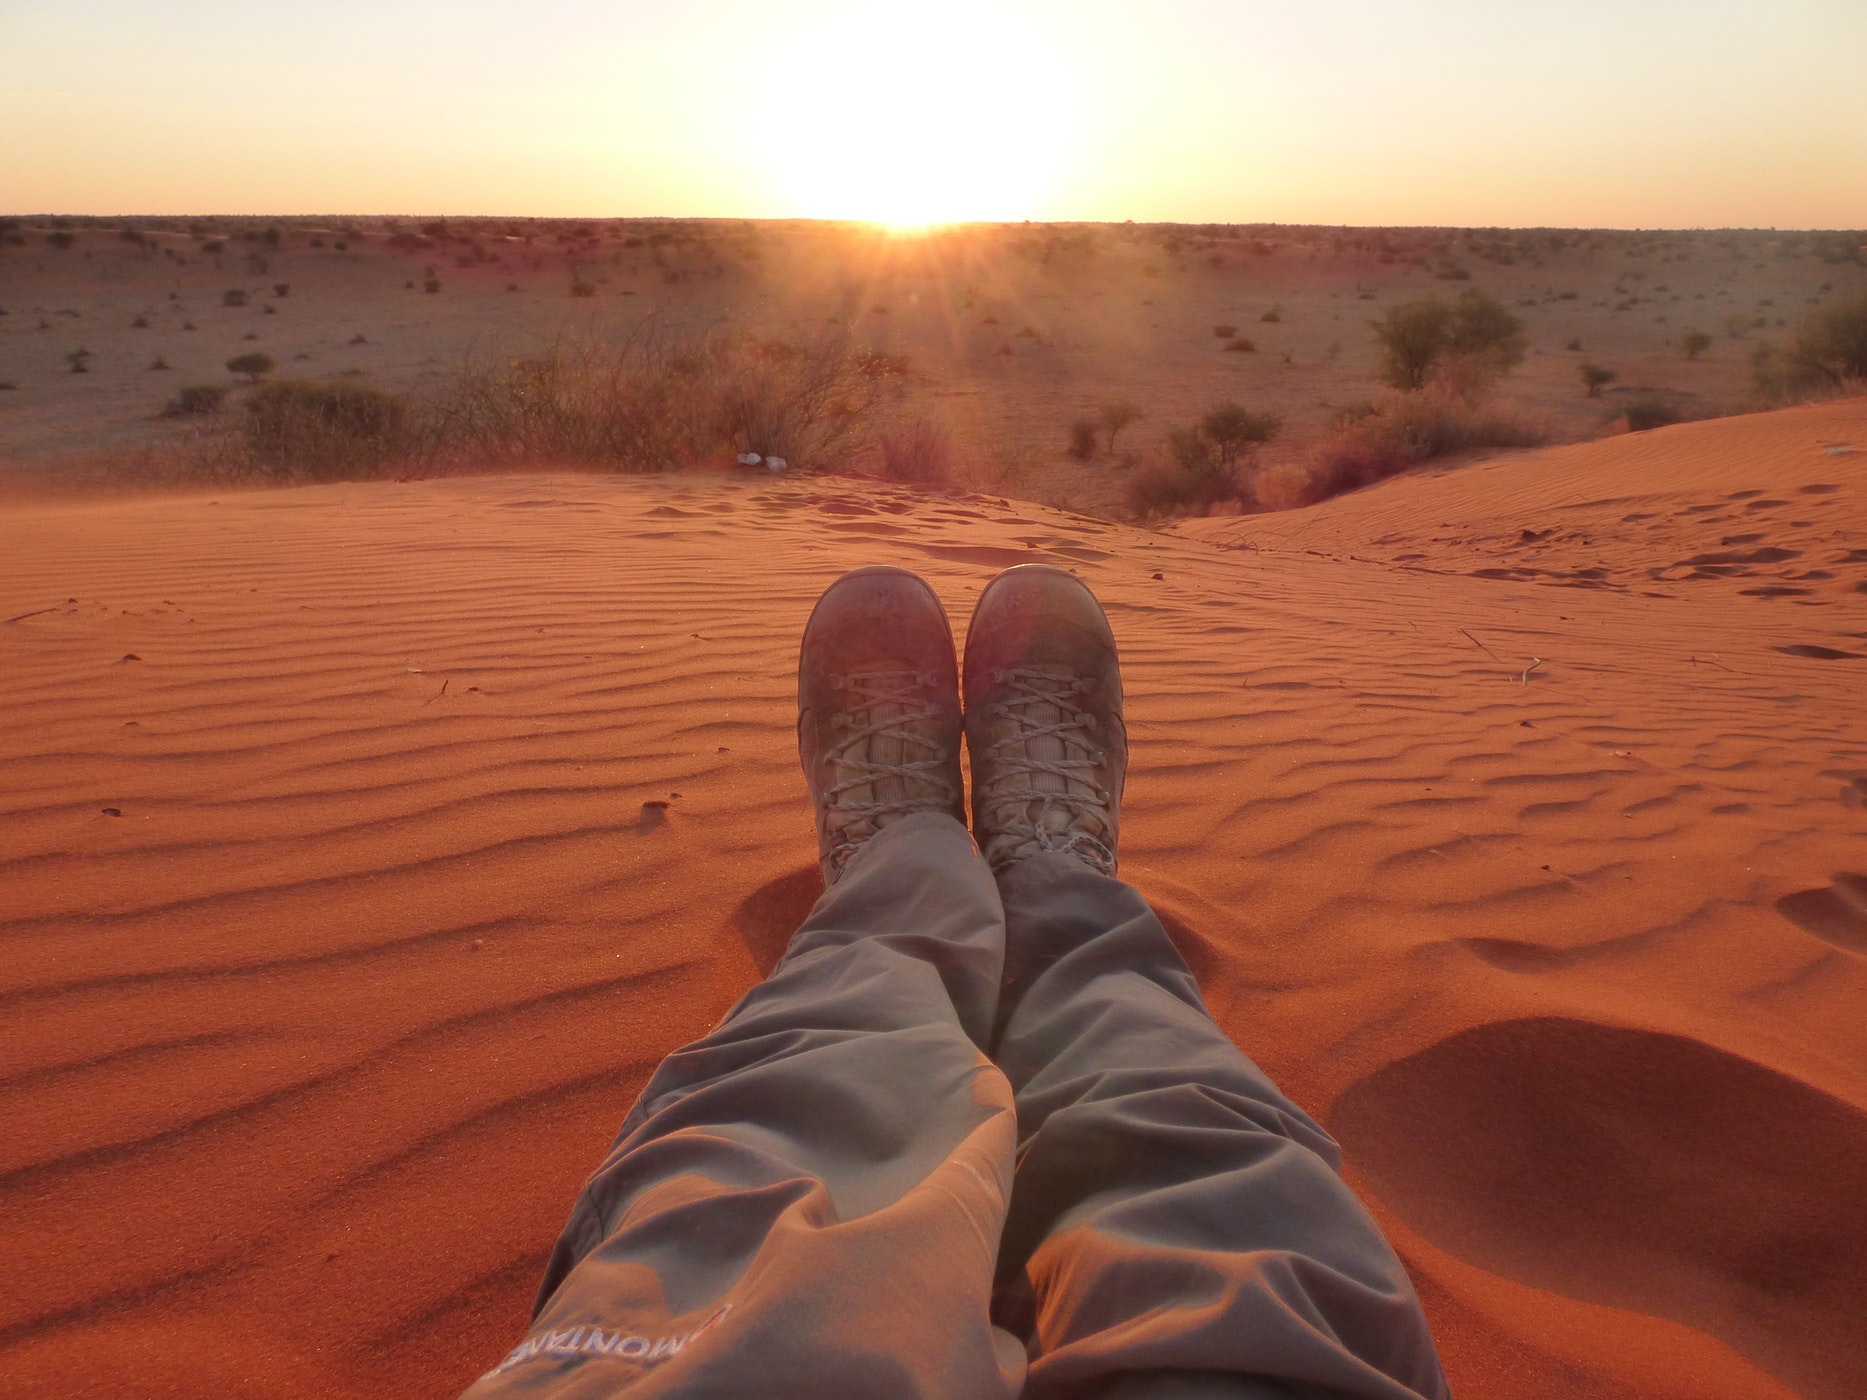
<point x="367" y="843"/>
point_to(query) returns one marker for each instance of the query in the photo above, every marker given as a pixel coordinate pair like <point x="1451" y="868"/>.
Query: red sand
<point x="310" y="1045"/>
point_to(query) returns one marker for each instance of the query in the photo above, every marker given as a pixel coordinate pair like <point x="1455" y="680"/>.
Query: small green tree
<point x="1115" y="415"/>
<point x="253" y="364"/>
<point x="1232" y="430"/>
<point x="1411" y="334"/>
<point x="1595" y="378"/>
<point x="1694" y="343"/>
<point x="1472" y="340"/>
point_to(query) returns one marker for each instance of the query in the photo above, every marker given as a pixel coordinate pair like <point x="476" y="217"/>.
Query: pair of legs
<point x="976" y="1135"/>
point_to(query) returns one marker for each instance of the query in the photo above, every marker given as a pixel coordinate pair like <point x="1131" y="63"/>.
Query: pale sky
<point x="1627" y="113"/>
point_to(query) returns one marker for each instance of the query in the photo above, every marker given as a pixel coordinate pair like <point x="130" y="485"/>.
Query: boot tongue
<point x="887" y="748"/>
<point x="1047" y="748"/>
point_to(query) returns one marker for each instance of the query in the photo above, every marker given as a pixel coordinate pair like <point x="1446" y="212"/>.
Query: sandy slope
<point x="343" y="916"/>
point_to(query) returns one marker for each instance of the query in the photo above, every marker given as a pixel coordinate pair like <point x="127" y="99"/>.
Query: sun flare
<point x="909" y="117"/>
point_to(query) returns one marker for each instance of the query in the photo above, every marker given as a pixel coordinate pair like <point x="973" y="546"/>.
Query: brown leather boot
<point x="878" y="723"/>
<point x="1044" y="720"/>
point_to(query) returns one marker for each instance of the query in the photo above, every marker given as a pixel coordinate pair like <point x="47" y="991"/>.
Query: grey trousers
<point x="977" y="1139"/>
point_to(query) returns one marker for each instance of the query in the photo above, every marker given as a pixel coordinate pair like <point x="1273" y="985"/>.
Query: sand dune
<point x="366" y="845"/>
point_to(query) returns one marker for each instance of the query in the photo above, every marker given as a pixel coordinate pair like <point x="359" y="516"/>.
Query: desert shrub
<point x="1595" y="378"/>
<point x="1273" y="316"/>
<point x="60" y="239"/>
<point x="323" y="430"/>
<point x="1736" y="324"/>
<point x="1203" y="466"/>
<point x="625" y="406"/>
<point x="1174" y="487"/>
<point x="281" y="289"/>
<point x="1241" y="344"/>
<point x="1652" y="411"/>
<point x="583" y="289"/>
<point x="1083" y="439"/>
<point x="806" y="403"/>
<point x="1694" y="343"/>
<point x="919" y="452"/>
<point x="432" y="284"/>
<point x="1398" y="433"/>
<point x="1829" y="351"/>
<point x="651" y="404"/>
<point x="1115" y="415"/>
<point x="1472" y="339"/>
<point x="253" y="364"/>
<point x="195" y="401"/>
<point x="233" y="296"/>
<point x="1231" y="430"/>
<point x="1224" y="332"/>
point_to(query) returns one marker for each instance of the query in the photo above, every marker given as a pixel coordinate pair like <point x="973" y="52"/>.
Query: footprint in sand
<point x="1806" y="649"/>
<point x="1836" y="914"/>
<point x="1634" y="1170"/>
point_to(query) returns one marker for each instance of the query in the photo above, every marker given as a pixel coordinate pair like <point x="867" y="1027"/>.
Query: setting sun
<point x="906" y="117"/>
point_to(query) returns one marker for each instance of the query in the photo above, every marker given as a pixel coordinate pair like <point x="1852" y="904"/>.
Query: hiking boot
<point x="878" y="720"/>
<point x="1044" y="720"/>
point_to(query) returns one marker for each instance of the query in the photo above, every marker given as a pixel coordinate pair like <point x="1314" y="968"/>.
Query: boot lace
<point x="884" y="704"/>
<point x="1035" y="803"/>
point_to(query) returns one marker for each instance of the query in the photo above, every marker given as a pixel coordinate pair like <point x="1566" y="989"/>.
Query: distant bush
<point x="1274" y="315"/>
<point x="1471" y="340"/>
<point x="1083" y="439"/>
<point x="919" y="452"/>
<point x="1595" y="378"/>
<point x="324" y="430"/>
<point x="1203" y="466"/>
<point x="432" y="284"/>
<point x="281" y="289"/>
<point x="253" y="365"/>
<point x="1694" y="343"/>
<point x="1652" y="411"/>
<point x="1242" y="344"/>
<point x="1115" y="415"/>
<point x="578" y="289"/>
<point x="195" y="401"/>
<point x="60" y="239"/>
<point x="651" y="404"/>
<point x="233" y="296"/>
<point x="1231" y="430"/>
<point x="1224" y="332"/>
<point x="1393" y="435"/>
<point x="1829" y="352"/>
